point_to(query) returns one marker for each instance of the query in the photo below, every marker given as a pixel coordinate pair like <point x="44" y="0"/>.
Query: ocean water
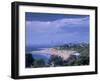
<point x="29" y="49"/>
<point x="40" y="55"/>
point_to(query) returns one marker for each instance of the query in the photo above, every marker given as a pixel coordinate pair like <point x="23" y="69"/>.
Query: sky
<point x="47" y="29"/>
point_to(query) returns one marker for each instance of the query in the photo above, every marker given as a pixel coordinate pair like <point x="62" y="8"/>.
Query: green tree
<point x="39" y="63"/>
<point x="29" y="59"/>
<point x="56" y="60"/>
<point x="80" y="61"/>
<point x="84" y="60"/>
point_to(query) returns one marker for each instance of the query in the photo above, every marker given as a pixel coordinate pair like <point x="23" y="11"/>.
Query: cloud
<point x="57" y="23"/>
<point x="62" y="29"/>
<point x="55" y="26"/>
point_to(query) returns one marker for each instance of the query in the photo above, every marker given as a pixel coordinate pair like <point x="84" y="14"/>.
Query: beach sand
<point x="65" y="54"/>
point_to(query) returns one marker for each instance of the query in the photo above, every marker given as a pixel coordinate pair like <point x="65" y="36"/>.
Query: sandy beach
<point x="65" y="54"/>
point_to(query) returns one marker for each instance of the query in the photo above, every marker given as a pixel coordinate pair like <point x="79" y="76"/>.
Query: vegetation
<point x="55" y="60"/>
<point x="29" y="60"/>
<point x="39" y="63"/>
<point x="82" y="48"/>
<point x="77" y="62"/>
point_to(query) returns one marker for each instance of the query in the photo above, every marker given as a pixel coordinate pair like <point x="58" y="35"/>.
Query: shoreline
<point x="65" y="54"/>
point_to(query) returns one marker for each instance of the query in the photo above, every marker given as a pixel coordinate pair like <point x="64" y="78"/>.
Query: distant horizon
<point x="43" y="46"/>
<point x="43" y="29"/>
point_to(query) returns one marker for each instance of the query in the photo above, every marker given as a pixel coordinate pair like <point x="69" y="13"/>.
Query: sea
<point x="38" y="54"/>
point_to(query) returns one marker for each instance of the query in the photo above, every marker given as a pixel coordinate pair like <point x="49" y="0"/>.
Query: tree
<point x="56" y="60"/>
<point x="84" y="60"/>
<point x="39" y="63"/>
<point x="29" y="59"/>
<point x="80" y="61"/>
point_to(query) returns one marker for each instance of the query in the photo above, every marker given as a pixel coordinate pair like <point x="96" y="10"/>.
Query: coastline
<point x="65" y="54"/>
